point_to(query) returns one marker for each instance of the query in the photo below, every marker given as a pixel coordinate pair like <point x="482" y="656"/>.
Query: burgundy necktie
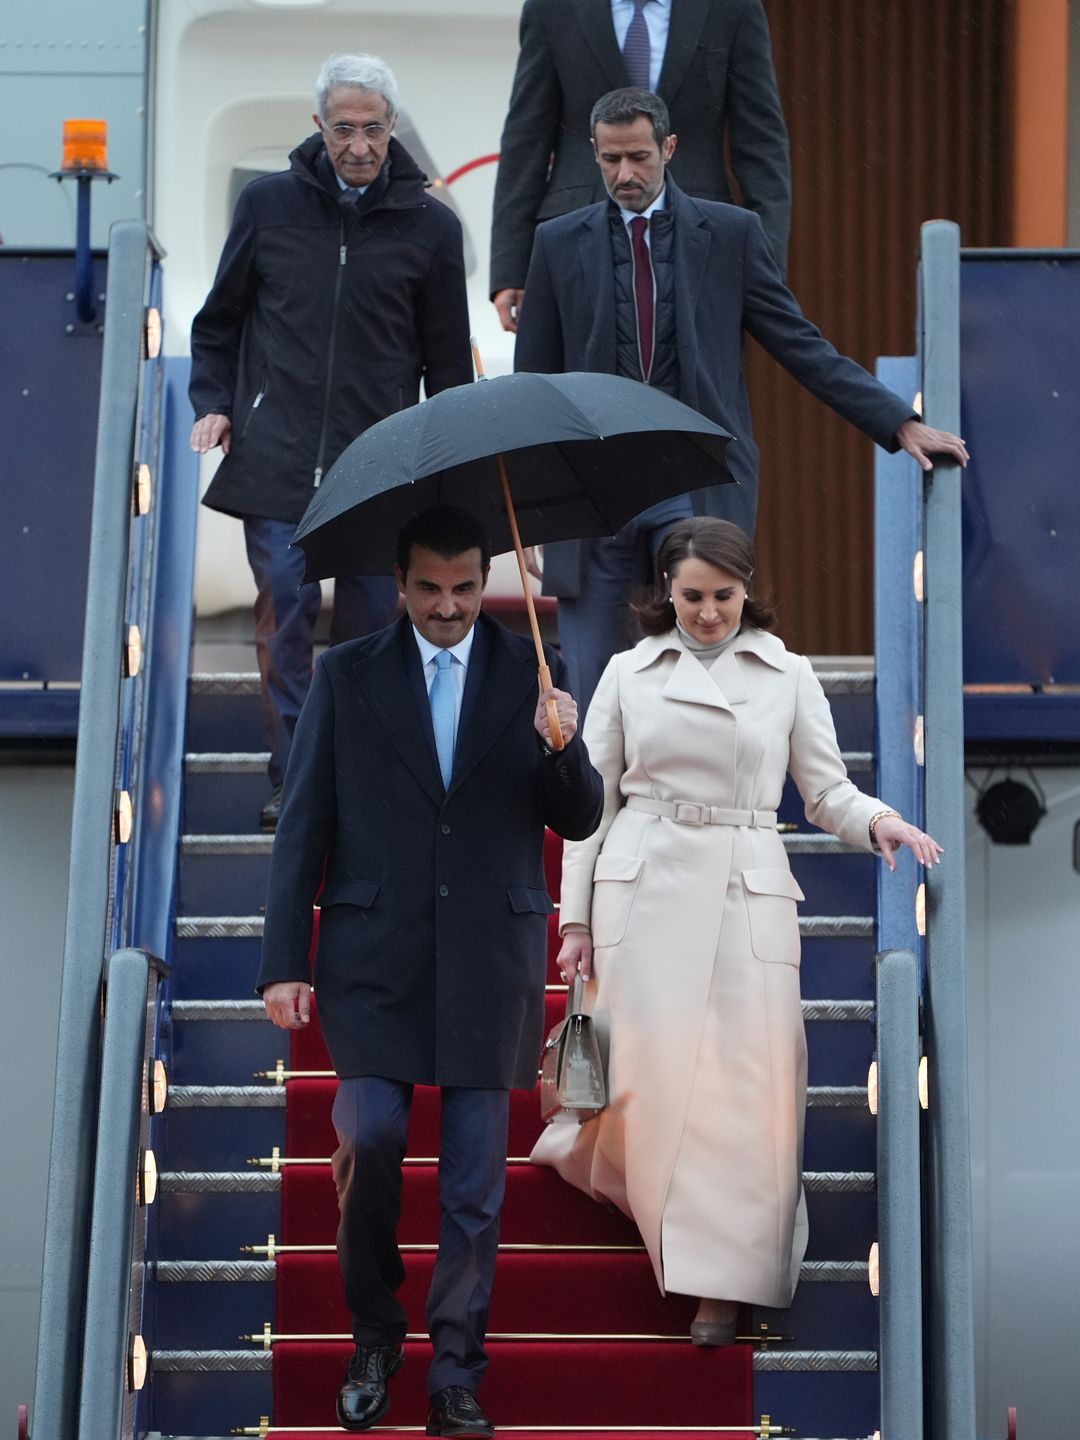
<point x="643" y="291"/>
<point x="636" y="48"/>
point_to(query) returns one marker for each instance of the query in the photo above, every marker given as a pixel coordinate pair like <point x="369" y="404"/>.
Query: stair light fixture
<point x="920" y="908"/>
<point x="872" y="1087"/>
<point x="136" y="1366"/>
<point x="147" y="1178"/>
<point x="917" y="576"/>
<point x="144" y="489"/>
<point x="918" y="741"/>
<point x="157" y="1087"/>
<point x="133" y="652"/>
<point x="123" y="817"/>
<point x="152" y="332"/>
<point x="873" y="1270"/>
<point x="924" y="1083"/>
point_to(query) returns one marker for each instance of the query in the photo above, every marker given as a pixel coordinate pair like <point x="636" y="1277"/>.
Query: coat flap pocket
<point x="350" y="892"/>
<point x="528" y="900"/>
<point x="618" y="867"/>
<point x="773" y="882"/>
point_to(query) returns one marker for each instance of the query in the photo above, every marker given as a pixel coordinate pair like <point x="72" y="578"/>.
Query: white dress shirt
<point x="628" y="215"/>
<point x="459" y="666"/>
<point x="657" y="15"/>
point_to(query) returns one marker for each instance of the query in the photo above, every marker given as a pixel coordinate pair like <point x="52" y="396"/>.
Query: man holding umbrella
<point x="421" y="780"/>
<point x="340" y="288"/>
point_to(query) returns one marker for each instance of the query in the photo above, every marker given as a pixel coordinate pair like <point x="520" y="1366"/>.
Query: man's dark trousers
<point x="285" y="614"/>
<point x="371" y="1116"/>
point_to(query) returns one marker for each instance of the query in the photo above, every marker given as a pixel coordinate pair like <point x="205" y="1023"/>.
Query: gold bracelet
<point x="881" y="816"/>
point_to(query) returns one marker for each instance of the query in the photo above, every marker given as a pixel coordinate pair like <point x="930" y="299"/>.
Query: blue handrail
<point x="948" y="1219"/>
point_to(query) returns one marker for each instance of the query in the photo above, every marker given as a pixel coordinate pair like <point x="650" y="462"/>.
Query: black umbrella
<point x="585" y="453"/>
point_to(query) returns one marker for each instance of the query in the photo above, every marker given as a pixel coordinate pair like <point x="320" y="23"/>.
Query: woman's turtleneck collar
<point x="705" y="653"/>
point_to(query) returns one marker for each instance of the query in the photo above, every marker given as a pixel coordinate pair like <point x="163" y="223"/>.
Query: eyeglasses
<point x="374" y="132"/>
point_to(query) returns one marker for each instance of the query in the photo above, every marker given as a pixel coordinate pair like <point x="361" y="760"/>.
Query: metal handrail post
<point x="71" y="1159"/>
<point x="106" y="1391"/>
<point x="899" y="1184"/>
<point x="951" y="1350"/>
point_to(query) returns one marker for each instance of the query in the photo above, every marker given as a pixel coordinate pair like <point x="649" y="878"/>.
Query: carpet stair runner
<point x="582" y="1341"/>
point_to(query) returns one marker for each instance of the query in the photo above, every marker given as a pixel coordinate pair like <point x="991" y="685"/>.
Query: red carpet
<point x="611" y="1380"/>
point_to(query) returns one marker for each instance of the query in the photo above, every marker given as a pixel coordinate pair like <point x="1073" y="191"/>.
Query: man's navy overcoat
<point x="432" y="943"/>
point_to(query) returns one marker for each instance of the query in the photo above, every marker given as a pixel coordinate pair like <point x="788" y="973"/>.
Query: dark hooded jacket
<point x="325" y="315"/>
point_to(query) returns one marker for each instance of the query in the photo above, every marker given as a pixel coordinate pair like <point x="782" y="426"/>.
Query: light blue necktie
<point x="442" y="700"/>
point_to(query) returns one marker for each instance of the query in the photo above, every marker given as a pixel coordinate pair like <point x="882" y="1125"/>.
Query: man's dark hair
<point x="622" y="107"/>
<point x="447" y="530"/>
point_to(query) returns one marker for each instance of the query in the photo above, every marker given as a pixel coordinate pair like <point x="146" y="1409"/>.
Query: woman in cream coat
<point x="682" y="905"/>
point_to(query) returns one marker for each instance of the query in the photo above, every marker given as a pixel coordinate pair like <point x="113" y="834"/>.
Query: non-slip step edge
<point x="232" y="1182"/>
<point x="259" y="1272"/>
<point x="217" y="1011"/>
<point x="249" y="927"/>
<point x="204" y="1361"/>
<point x="858" y="681"/>
<point x="253" y="843"/>
<point x="272" y="1097"/>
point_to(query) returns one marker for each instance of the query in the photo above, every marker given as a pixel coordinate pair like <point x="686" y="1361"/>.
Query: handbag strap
<point x="575" y="996"/>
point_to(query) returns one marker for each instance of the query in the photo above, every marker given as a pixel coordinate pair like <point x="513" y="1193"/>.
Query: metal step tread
<point x="250" y="927"/>
<point x="220" y="1011"/>
<point x="253" y="843"/>
<point x="858" y="680"/>
<point x="764" y="1360"/>
<point x="233" y="1182"/>
<point x="259" y="1272"/>
<point x="227" y="762"/>
<point x="272" y="1097"/>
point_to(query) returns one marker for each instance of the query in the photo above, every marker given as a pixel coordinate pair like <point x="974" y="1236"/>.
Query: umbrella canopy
<point x="584" y="454"/>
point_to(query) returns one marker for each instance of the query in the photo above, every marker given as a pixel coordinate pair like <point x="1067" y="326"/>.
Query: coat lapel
<point x="402" y="708"/>
<point x="497" y="682"/>
<point x="684" y="32"/>
<point x="594" y="18"/>
<point x="692" y="243"/>
<point x="597" y="290"/>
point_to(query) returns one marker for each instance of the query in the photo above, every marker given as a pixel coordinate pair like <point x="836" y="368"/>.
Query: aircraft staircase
<point x="211" y="1294"/>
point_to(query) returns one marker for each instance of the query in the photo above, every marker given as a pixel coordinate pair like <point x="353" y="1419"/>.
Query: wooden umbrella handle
<point x="557" y="741"/>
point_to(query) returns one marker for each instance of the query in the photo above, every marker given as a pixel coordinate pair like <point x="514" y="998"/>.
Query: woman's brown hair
<point x="717" y="542"/>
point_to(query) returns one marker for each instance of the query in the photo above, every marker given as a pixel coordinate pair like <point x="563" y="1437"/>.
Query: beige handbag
<point x="572" y="1085"/>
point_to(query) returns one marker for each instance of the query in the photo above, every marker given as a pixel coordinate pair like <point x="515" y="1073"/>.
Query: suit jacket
<point x="717" y="79"/>
<point x="726" y="284"/>
<point x="432" y="944"/>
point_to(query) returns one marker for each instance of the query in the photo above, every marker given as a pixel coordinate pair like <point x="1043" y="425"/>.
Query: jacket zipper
<point x="331" y="346"/>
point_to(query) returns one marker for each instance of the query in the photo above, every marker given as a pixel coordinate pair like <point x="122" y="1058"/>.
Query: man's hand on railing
<point x="211" y="430"/>
<point x="288" y="1003"/>
<point x="923" y="441"/>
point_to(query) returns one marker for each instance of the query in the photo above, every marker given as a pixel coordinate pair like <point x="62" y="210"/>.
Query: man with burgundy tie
<point x="711" y="61"/>
<point x="660" y="287"/>
<point x="419" y="784"/>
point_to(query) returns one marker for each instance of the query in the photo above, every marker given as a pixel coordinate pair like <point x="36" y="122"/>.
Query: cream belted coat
<point x="696" y="958"/>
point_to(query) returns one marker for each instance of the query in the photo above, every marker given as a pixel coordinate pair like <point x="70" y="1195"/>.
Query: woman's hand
<point x="576" y="953"/>
<point x="892" y="831"/>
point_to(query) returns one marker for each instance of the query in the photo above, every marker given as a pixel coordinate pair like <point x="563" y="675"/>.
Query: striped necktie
<point x="443" y="714"/>
<point x="636" y="51"/>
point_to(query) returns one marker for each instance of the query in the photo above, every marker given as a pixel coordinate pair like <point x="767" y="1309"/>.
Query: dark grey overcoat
<point x="433" y="931"/>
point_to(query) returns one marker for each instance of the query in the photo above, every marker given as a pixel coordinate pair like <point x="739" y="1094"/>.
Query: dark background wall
<point x="898" y="113"/>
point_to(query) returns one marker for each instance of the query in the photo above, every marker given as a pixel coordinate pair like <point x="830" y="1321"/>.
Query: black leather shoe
<point x="454" y="1411"/>
<point x="362" y="1401"/>
<point x="271" y="811"/>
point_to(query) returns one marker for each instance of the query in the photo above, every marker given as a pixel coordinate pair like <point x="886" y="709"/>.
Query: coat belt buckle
<point x="688" y="812"/>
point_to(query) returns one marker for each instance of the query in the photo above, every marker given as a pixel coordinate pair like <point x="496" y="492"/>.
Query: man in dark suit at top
<point x="421" y="779"/>
<point x="660" y="287"/>
<point x="711" y="60"/>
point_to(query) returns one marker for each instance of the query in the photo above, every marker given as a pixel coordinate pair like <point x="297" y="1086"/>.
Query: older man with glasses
<point x="340" y="288"/>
